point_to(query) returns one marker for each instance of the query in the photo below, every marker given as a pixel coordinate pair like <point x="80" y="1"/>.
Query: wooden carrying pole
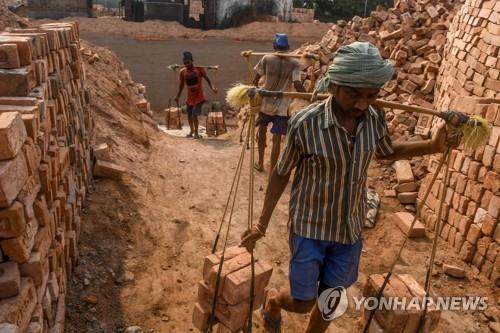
<point x="247" y="54"/>
<point x="379" y="102"/>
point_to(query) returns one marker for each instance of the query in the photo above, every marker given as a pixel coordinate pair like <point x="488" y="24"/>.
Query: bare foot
<point x="271" y="311"/>
<point x="259" y="167"/>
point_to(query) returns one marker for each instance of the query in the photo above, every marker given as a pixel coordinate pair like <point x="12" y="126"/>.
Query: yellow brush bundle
<point x="237" y="96"/>
<point x="475" y="132"/>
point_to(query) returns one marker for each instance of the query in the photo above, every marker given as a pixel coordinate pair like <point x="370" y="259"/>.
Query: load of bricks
<point x="472" y="206"/>
<point x="233" y="297"/>
<point x="412" y="34"/>
<point x="45" y="134"/>
<point x="401" y="290"/>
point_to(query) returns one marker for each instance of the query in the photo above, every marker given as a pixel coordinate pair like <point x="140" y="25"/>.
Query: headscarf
<point x="187" y="56"/>
<point x="357" y="65"/>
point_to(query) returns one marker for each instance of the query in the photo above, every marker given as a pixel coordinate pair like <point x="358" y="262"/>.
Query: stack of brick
<point x="400" y="291"/>
<point x="412" y="34"/>
<point x="233" y="299"/>
<point x="472" y="207"/>
<point x="45" y="134"/>
<point x="406" y="186"/>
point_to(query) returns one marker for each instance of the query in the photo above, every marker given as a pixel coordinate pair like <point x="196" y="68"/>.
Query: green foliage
<point x="332" y="10"/>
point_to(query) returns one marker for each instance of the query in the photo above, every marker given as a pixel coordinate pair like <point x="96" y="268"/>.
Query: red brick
<point x="108" y="170"/>
<point x="465" y="223"/>
<point x="483" y="245"/>
<point x="445" y="231"/>
<point x="473" y="170"/>
<point x="17" y="82"/>
<point x="404" y="220"/>
<point x="474" y="234"/>
<point x="18" y="249"/>
<point x="477" y="191"/>
<point x="467" y="252"/>
<point x="10" y="279"/>
<point x="41" y="211"/>
<point x="36" y="268"/>
<point x="489" y="225"/>
<point x="237" y="284"/>
<point x="404" y="173"/>
<point x="496" y="163"/>
<point x="12" y="135"/>
<point x="461" y="184"/>
<point x="17" y="310"/>
<point x="463" y="205"/>
<point x="214" y="259"/>
<point x="494" y="207"/>
<point x="9" y="56"/>
<point x="228" y="267"/>
<point x="492" y="182"/>
<point x="407" y="197"/>
<point x="13" y="176"/>
<point x="201" y="317"/>
<point x="493" y="250"/>
<point x="28" y="195"/>
<point x="488" y="155"/>
<point x="471" y="208"/>
<point x="478" y="260"/>
<point x="459" y="241"/>
<point x="12" y="221"/>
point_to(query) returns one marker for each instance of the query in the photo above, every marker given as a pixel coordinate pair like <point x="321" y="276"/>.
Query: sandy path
<point x="142" y="252"/>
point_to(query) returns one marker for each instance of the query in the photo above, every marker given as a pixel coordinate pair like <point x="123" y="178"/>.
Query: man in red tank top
<point x="191" y="76"/>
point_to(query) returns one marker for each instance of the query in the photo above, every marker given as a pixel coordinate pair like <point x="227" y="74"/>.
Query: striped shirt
<point x="328" y="196"/>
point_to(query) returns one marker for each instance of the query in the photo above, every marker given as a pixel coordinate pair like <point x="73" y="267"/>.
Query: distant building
<point x="221" y="14"/>
<point x="56" y="9"/>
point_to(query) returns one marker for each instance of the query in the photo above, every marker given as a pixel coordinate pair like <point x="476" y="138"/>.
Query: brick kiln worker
<point x="192" y="76"/>
<point x="279" y="73"/>
<point x="330" y="146"/>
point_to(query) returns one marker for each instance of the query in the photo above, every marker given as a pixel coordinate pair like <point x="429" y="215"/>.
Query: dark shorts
<point x="329" y="263"/>
<point x="194" y="110"/>
<point x="280" y="123"/>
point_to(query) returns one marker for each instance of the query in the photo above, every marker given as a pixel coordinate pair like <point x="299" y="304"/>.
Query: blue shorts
<point x="330" y="263"/>
<point x="194" y="110"/>
<point x="280" y="123"/>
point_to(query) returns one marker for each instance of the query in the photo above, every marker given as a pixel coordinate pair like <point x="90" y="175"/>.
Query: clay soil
<point x="144" y="238"/>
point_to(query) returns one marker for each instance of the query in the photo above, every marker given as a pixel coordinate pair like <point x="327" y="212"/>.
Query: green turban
<point x="357" y="65"/>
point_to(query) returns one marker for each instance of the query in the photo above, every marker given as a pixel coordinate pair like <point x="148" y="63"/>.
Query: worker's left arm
<point x="398" y="150"/>
<point x="205" y="76"/>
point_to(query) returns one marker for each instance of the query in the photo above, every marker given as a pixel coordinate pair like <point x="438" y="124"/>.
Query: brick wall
<point x="303" y="15"/>
<point x="471" y="69"/>
<point x="45" y="133"/>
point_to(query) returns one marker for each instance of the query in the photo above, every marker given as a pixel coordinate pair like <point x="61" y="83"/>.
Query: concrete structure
<point x="56" y="9"/>
<point x="226" y="13"/>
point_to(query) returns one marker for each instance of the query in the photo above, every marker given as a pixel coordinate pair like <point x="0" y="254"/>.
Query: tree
<point x="332" y="10"/>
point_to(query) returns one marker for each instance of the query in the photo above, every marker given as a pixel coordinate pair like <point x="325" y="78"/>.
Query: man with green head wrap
<point x="330" y="146"/>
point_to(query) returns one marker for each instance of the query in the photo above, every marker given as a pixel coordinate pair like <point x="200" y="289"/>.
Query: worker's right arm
<point x="289" y="159"/>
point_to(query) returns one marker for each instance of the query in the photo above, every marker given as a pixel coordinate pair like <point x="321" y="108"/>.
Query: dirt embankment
<point x="162" y="30"/>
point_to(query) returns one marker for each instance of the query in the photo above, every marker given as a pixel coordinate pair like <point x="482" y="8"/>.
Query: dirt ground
<point x="144" y="238"/>
<point x="144" y="241"/>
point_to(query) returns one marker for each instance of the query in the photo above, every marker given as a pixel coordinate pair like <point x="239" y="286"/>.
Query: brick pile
<point x="413" y="35"/>
<point x="472" y="207"/>
<point x="45" y="134"/>
<point x="401" y="287"/>
<point x="233" y="300"/>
